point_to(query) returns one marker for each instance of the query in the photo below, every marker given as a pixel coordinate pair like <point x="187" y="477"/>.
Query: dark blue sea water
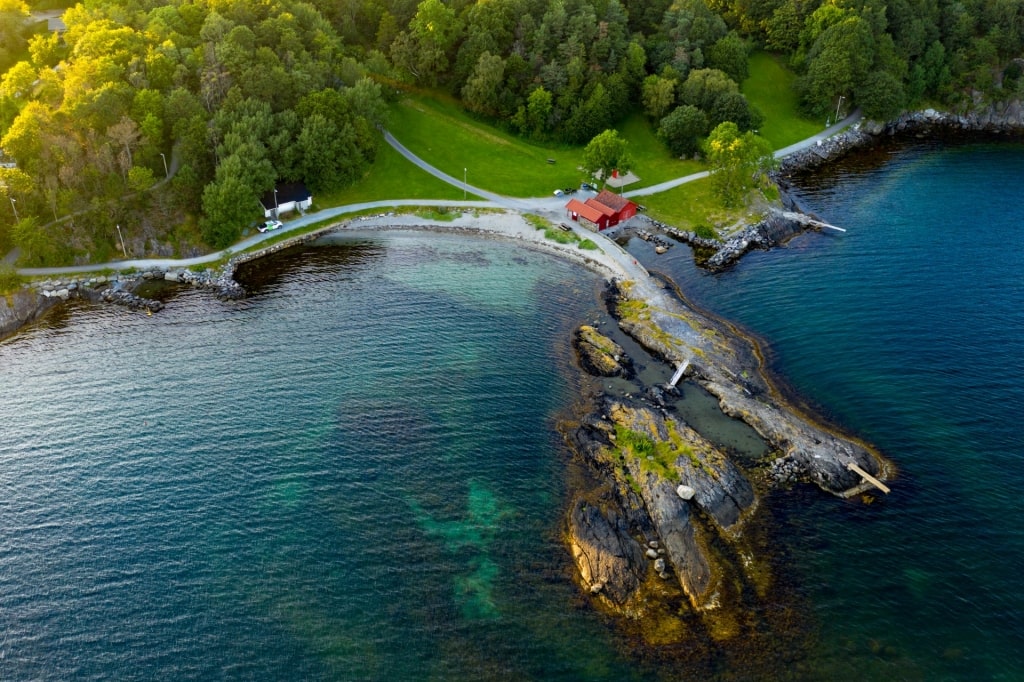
<point x="355" y="473"/>
<point x="909" y="331"/>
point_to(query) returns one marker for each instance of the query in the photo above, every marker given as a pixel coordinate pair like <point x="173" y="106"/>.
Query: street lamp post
<point x="121" y="237"/>
<point x="15" y="209"/>
<point x="277" y="210"/>
<point x="837" y="107"/>
<point x="463" y="184"/>
<point x="167" y="173"/>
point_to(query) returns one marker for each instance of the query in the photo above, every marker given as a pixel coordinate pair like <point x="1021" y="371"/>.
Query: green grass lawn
<point x="435" y="127"/>
<point x="391" y="177"/>
<point x="652" y="161"/>
<point x="770" y="89"/>
<point x="439" y="132"/>
<point x="694" y="203"/>
<point x="686" y="206"/>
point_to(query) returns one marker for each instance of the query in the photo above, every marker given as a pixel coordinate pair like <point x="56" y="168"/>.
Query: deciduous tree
<point x="606" y="153"/>
<point x="736" y="159"/>
<point x="658" y="95"/>
<point x="682" y="129"/>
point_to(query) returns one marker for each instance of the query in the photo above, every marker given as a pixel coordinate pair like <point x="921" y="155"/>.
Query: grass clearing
<point x="695" y="207"/>
<point x="657" y="457"/>
<point x="440" y="133"/>
<point x="770" y="89"/>
<point x="687" y="206"/>
<point x="652" y="161"/>
<point x="391" y="177"/>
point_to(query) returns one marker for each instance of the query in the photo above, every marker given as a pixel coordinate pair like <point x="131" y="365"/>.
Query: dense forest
<point x="228" y="97"/>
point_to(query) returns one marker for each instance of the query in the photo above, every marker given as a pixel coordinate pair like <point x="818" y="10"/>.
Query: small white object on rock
<point x="659" y="565"/>
<point x="652" y="554"/>
<point x="686" y="492"/>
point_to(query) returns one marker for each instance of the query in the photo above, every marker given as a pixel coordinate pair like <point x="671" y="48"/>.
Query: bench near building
<point x="602" y="211"/>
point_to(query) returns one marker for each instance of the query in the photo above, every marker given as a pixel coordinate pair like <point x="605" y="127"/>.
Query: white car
<point x="269" y="225"/>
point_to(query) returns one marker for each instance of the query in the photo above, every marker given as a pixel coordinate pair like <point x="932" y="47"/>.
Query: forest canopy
<point x="229" y="97"/>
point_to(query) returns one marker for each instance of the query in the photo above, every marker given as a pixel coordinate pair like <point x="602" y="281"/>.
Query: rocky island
<point x="662" y="529"/>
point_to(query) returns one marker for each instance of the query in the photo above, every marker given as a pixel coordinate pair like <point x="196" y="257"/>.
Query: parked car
<point x="559" y="192"/>
<point x="269" y="225"/>
<point x="587" y="187"/>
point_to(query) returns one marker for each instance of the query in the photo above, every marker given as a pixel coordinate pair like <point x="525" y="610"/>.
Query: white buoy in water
<point x="679" y="373"/>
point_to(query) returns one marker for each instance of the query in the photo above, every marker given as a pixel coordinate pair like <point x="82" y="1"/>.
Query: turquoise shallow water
<point x="909" y="330"/>
<point x="352" y="474"/>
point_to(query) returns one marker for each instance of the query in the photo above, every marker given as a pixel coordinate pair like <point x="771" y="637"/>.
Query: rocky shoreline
<point x="1005" y="119"/>
<point x="31" y="301"/>
<point x="665" y="529"/>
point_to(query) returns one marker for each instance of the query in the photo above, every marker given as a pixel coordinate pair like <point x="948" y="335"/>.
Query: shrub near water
<point x="9" y="278"/>
<point x="705" y="232"/>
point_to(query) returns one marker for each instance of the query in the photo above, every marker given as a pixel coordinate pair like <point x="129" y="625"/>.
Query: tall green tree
<point x="606" y="153"/>
<point x="838" y="63"/>
<point x="682" y="129"/>
<point x="14" y="17"/>
<point x="729" y="54"/>
<point x="658" y="95"/>
<point x="483" y="91"/>
<point x="229" y="204"/>
<point x="736" y="160"/>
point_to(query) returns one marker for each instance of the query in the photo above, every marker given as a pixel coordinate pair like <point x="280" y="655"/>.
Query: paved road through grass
<point x="542" y="205"/>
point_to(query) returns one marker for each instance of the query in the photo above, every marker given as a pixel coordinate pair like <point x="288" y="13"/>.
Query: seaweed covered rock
<point x="599" y="355"/>
<point x="644" y="455"/>
<point x="610" y="561"/>
<point x="727" y="366"/>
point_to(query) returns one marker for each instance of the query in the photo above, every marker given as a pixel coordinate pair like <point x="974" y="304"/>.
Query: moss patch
<point x="656" y="457"/>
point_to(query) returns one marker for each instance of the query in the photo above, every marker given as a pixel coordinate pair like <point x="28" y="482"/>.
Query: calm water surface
<point x="354" y="473"/>
<point x="909" y="330"/>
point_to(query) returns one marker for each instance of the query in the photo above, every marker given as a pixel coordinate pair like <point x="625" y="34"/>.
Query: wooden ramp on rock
<point x="866" y="484"/>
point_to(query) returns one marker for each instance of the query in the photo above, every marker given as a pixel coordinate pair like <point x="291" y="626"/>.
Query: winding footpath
<point x="551" y="207"/>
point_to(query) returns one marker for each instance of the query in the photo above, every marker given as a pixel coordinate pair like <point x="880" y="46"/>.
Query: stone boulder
<point x="610" y="562"/>
<point x="22" y="307"/>
<point x="599" y="355"/>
